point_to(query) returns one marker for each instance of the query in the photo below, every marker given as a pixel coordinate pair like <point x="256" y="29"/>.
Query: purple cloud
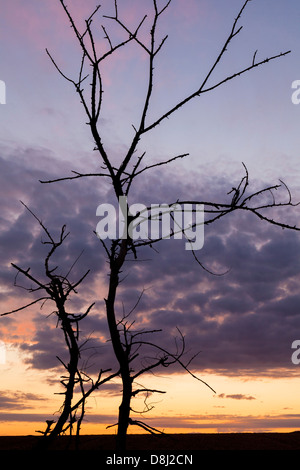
<point x="243" y="320"/>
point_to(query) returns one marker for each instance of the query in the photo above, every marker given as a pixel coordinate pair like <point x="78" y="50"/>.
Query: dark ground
<point x="172" y="442"/>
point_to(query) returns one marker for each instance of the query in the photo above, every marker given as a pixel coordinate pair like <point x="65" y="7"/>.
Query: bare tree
<point x="138" y="343"/>
<point x="126" y="343"/>
<point x="58" y="288"/>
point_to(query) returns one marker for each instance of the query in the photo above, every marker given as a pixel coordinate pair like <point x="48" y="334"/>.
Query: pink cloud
<point x="190" y="11"/>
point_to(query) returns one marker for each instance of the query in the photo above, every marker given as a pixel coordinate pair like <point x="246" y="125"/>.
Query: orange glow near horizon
<point x="241" y="404"/>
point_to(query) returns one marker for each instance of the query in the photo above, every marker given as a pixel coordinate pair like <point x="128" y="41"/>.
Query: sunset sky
<point x="242" y="323"/>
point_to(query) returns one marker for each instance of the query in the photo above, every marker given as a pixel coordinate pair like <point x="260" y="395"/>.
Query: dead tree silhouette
<point x="261" y="203"/>
<point x="58" y="288"/>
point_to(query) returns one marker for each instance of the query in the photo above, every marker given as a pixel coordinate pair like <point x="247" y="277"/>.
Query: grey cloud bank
<point x="243" y="319"/>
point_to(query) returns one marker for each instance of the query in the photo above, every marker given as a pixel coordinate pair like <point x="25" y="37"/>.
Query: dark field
<point x="172" y="442"/>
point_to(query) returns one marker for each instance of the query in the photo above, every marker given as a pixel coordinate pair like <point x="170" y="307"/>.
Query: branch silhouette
<point x="58" y="289"/>
<point x="127" y="346"/>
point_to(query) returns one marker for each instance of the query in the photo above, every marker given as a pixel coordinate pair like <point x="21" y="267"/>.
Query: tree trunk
<point x="120" y="352"/>
<point x="124" y="409"/>
<point x="72" y="369"/>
